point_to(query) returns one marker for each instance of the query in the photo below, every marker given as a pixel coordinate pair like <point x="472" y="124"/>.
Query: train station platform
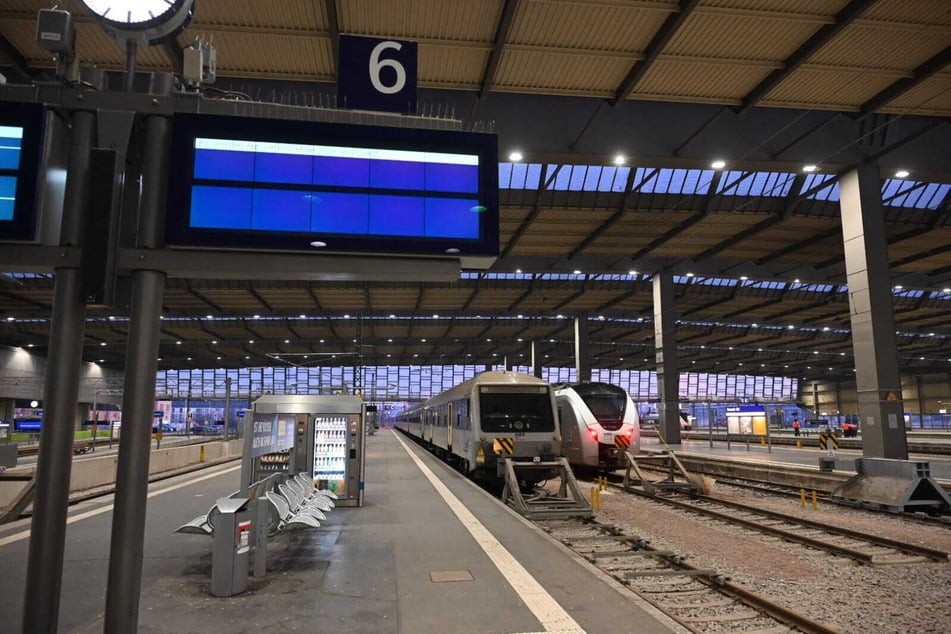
<point x="429" y="552"/>
<point x="788" y="455"/>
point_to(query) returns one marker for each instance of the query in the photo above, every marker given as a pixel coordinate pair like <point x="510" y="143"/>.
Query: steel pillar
<point x="536" y="362"/>
<point x="582" y="350"/>
<point x="665" y="351"/>
<point x="877" y="377"/>
<point x="132" y="471"/>
<point x="54" y="463"/>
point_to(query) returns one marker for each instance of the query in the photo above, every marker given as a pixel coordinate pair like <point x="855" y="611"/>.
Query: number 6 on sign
<point x="376" y="65"/>
<point x="377" y="74"/>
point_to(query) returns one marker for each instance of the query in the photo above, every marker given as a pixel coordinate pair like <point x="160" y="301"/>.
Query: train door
<point x="450" y="419"/>
<point x="570" y="432"/>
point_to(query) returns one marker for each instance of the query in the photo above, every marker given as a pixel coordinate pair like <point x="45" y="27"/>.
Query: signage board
<point x="271" y="433"/>
<point x="158" y="414"/>
<point x="281" y="185"/>
<point x="376" y="74"/>
<point x="21" y="133"/>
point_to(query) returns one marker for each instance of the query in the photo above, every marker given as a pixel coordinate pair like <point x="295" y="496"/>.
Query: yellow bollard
<point x="201" y="454"/>
<point x="815" y="501"/>
<point x="762" y="440"/>
<point x="802" y="498"/>
<point x="798" y="444"/>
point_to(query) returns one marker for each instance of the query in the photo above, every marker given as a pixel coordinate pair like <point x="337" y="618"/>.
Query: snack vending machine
<point x="329" y="435"/>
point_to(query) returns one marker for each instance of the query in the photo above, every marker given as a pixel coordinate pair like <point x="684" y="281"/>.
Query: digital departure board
<point x="21" y="132"/>
<point x="291" y="185"/>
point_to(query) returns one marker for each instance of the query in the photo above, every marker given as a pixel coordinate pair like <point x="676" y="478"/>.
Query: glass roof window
<point x="770" y="184"/>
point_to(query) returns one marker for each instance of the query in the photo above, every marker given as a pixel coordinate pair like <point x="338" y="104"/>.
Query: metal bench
<point x="290" y="506"/>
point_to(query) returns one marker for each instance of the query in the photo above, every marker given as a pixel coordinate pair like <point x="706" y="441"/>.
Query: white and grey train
<point x="599" y="423"/>
<point x="490" y="417"/>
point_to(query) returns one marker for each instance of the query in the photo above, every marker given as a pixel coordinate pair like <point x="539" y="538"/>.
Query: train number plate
<point x="607" y="437"/>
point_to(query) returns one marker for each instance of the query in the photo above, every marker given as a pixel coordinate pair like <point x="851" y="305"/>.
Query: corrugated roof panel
<point x="451" y="66"/>
<point x="560" y="73"/>
<point x="910" y="11"/>
<point x="878" y="46"/>
<point x="813" y="87"/>
<point x="740" y="36"/>
<point x="579" y="25"/>
<point x="470" y="21"/>
<point x="284" y="14"/>
<point x="932" y="96"/>
<point x="302" y="57"/>
<point x="689" y="79"/>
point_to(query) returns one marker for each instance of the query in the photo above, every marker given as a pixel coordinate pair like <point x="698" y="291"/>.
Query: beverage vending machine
<point x="329" y="437"/>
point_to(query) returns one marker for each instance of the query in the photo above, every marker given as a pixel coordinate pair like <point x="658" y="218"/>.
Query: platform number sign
<point x="377" y="74"/>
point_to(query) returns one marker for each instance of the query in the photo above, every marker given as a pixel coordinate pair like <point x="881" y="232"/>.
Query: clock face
<point x="130" y="12"/>
<point x="144" y="21"/>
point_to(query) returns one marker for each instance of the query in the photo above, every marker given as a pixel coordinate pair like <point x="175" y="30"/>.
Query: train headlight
<point x="594" y="433"/>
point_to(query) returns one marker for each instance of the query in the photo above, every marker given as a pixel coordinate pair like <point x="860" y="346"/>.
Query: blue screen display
<point x="20" y="139"/>
<point x="355" y="188"/>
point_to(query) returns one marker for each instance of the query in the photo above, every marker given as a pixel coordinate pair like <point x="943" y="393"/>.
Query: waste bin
<point x="826" y="464"/>
<point x="232" y="549"/>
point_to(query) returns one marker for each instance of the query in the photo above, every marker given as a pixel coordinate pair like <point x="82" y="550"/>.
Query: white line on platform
<point x="551" y="615"/>
<point x="105" y="509"/>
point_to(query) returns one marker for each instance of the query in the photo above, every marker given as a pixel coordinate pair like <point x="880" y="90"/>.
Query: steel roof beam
<point x="333" y="27"/>
<point x="661" y="38"/>
<point x="818" y="39"/>
<point x="15" y="61"/>
<point x="543" y="184"/>
<point x="617" y="215"/>
<point x="498" y="43"/>
<point x="900" y="87"/>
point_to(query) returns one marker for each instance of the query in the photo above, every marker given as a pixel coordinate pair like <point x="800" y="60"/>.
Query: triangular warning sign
<point x="892" y="396"/>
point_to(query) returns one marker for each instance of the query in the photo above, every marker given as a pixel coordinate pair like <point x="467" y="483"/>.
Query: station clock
<point x="145" y="22"/>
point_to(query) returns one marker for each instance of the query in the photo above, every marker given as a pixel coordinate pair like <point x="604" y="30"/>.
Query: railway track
<point x="861" y="547"/>
<point x="699" y="599"/>
<point x="783" y="490"/>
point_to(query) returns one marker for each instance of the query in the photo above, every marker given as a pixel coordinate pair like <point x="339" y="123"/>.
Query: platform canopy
<point x="610" y="116"/>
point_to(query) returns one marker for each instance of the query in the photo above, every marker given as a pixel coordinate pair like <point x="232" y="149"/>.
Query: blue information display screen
<point x="291" y="185"/>
<point x="21" y="131"/>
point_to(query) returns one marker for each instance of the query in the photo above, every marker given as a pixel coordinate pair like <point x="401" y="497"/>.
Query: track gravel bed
<point x="899" y="598"/>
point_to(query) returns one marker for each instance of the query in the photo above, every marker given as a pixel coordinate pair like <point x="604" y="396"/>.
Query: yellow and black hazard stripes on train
<point x="622" y="441"/>
<point x="503" y="446"/>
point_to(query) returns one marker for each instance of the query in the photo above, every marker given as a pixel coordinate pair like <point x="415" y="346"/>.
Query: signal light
<point x="594" y="433"/>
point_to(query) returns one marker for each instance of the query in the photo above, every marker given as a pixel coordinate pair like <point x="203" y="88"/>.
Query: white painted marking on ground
<point x="551" y="615"/>
<point x="105" y="509"/>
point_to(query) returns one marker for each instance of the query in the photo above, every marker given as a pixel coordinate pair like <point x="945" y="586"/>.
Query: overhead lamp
<point x="632" y="272"/>
<point x="577" y="272"/>
<point x="718" y="164"/>
<point x="810" y="168"/>
<point x="902" y="174"/>
<point x="515" y="156"/>
<point x="744" y="278"/>
<point x="620" y="159"/>
<point x="898" y="287"/>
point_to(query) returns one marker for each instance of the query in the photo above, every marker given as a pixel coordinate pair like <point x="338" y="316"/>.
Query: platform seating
<point x="291" y="506"/>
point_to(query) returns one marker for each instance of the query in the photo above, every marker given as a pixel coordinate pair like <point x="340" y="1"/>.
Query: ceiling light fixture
<point x="515" y="156"/>
<point x="718" y="164"/>
<point x="810" y="168"/>
<point x="902" y="174"/>
<point x="620" y="159"/>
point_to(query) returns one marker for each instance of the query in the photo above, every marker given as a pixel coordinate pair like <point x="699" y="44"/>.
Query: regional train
<point x="493" y="416"/>
<point x="599" y="424"/>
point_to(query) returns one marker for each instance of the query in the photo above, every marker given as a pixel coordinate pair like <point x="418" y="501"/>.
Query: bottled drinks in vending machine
<point x="330" y="452"/>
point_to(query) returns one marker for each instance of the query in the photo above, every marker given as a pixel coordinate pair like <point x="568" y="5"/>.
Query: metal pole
<point x="188" y="401"/>
<point x="228" y="408"/>
<point x="131" y="47"/>
<point x="132" y="472"/>
<point x="44" y="570"/>
<point x="710" y="422"/>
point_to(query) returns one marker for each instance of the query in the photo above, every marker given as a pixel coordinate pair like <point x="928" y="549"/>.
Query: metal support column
<point x="582" y="349"/>
<point x="44" y="570"/>
<point x="919" y="386"/>
<point x="873" y="320"/>
<point x="665" y="351"/>
<point x="536" y="362"/>
<point x="132" y="472"/>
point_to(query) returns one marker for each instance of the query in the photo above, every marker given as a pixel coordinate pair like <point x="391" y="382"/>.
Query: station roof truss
<point x="618" y="110"/>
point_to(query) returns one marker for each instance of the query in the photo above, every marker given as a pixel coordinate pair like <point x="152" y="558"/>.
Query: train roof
<point x="492" y="377"/>
<point x="587" y="388"/>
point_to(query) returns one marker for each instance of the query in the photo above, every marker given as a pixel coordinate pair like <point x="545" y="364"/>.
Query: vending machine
<point x="329" y="435"/>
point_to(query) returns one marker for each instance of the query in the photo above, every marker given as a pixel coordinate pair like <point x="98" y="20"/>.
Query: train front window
<point x="607" y="408"/>
<point x="515" y="412"/>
